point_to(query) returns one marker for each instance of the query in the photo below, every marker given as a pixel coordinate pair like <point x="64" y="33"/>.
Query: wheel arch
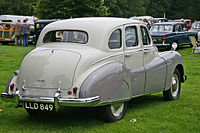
<point x="109" y="82"/>
<point x="181" y="70"/>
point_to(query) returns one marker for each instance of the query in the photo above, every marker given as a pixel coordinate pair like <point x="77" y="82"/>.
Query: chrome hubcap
<point x="175" y="85"/>
<point x="117" y="108"/>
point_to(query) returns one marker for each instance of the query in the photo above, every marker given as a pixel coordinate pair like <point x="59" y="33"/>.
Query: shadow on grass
<point x="82" y="117"/>
<point x="143" y="101"/>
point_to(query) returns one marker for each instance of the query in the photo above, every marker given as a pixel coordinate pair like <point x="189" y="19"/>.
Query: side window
<point x="7" y="27"/>
<point x="131" y="36"/>
<point x="145" y="36"/>
<point x="1" y="26"/>
<point x="115" y="40"/>
<point x="178" y="28"/>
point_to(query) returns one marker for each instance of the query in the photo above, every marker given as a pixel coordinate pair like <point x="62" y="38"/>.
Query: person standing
<point x="25" y="32"/>
<point x="17" y="27"/>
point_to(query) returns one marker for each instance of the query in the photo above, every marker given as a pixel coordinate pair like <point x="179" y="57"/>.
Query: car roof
<point x="93" y="22"/>
<point x="46" y="21"/>
<point x="169" y="23"/>
<point x="196" y="22"/>
<point x="157" y="19"/>
<point x="97" y="28"/>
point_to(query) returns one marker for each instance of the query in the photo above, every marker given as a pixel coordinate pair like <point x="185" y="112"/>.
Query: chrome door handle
<point x="146" y="52"/>
<point x="128" y="54"/>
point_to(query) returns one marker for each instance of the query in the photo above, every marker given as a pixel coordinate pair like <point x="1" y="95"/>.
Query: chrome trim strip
<point x="165" y="44"/>
<point x="105" y="58"/>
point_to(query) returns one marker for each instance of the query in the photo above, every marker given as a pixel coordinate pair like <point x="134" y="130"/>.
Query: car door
<point x="154" y="65"/>
<point x="134" y="59"/>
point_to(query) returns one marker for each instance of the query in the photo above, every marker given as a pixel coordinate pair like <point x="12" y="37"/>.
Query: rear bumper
<point x="162" y="44"/>
<point x="58" y="101"/>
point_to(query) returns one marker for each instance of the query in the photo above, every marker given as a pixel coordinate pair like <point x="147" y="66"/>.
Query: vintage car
<point x="156" y="20"/>
<point x="90" y="62"/>
<point x="171" y="33"/>
<point x="188" y="22"/>
<point x="7" y="22"/>
<point x="196" y="28"/>
<point x="39" y="25"/>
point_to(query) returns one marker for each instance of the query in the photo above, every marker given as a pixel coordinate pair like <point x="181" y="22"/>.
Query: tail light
<point x="12" y="87"/>
<point x="75" y="90"/>
<point x="163" y="37"/>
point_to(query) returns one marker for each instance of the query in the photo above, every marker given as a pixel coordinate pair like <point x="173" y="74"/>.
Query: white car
<point x="89" y="62"/>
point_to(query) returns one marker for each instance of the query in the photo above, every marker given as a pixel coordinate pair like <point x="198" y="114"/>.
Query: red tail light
<point x="75" y="90"/>
<point x="163" y="37"/>
<point x="12" y="87"/>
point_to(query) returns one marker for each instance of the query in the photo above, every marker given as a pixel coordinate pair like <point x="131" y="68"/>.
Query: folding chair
<point x="195" y="48"/>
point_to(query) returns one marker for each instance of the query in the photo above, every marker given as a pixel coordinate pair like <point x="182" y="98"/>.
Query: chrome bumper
<point x="58" y="101"/>
<point x="162" y="44"/>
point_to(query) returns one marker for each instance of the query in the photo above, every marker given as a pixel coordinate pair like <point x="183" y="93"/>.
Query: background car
<point x="156" y="20"/>
<point x="90" y="62"/>
<point x="39" y="25"/>
<point x="7" y="22"/>
<point x="171" y="33"/>
<point x="196" y="28"/>
<point x="188" y="22"/>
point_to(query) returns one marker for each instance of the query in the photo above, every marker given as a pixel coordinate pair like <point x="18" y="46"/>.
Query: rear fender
<point x="110" y="82"/>
<point x="12" y="80"/>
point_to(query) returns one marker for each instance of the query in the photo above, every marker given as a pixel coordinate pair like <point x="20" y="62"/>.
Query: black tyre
<point x="115" y="112"/>
<point x="174" y="92"/>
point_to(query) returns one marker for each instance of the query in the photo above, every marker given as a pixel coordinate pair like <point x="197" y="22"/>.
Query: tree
<point x="17" y="7"/>
<point x="46" y="9"/>
<point x="194" y="9"/>
<point x="157" y="8"/>
<point x="125" y="8"/>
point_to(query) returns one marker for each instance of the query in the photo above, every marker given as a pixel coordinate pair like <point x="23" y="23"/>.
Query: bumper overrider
<point x="58" y="101"/>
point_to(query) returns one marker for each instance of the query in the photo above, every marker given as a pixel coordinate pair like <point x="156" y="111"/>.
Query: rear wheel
<point x="174" y="92"/>
<point x="115" y="111"/>
<point x="174" y="44"/>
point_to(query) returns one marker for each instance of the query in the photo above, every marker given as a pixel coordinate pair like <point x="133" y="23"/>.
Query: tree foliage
<point x="65" y="8"/>
<point x="17" y="7"/>
<point x="52" y="9"/>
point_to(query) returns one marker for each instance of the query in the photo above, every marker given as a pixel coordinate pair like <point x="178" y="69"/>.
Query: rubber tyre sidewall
<point x="109" y="117"/>
<point x="168" y="94"/>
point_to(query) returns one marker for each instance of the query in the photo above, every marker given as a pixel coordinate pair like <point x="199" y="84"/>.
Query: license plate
<point x="39" y="106"/>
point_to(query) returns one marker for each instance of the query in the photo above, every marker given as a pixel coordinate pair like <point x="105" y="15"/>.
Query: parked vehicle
<point x="188" y="22"/>
<point x="39" y="25"/>
<point x="196" y="28"/>
<point x="171" y="33"/>
<point x="90" y="62"/>
<point x="141" y="18"/>
<point x="156" y="20"/>
<point x="7" y="22"/>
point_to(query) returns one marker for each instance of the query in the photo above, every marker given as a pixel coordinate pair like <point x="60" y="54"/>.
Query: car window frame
<point x="67" y="42"/>
<point x="136" y="35"/>
<point x="149" y="38"/>
<point x="120" y="39"/>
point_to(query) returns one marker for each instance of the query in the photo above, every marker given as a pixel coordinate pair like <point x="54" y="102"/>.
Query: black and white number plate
<point x="39" y="106"/>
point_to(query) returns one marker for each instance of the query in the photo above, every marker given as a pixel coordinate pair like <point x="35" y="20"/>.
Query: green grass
<point x="153" y="114"/>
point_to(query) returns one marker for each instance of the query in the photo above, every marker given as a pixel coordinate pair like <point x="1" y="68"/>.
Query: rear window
<point x="161" y="28"/>
<point x="69" y="36"/>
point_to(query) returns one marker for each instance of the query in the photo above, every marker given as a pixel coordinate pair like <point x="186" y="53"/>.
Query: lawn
<point x="151" y="112"/>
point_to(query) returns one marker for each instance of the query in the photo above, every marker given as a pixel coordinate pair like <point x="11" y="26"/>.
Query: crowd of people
<point x="22" y="32"/>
